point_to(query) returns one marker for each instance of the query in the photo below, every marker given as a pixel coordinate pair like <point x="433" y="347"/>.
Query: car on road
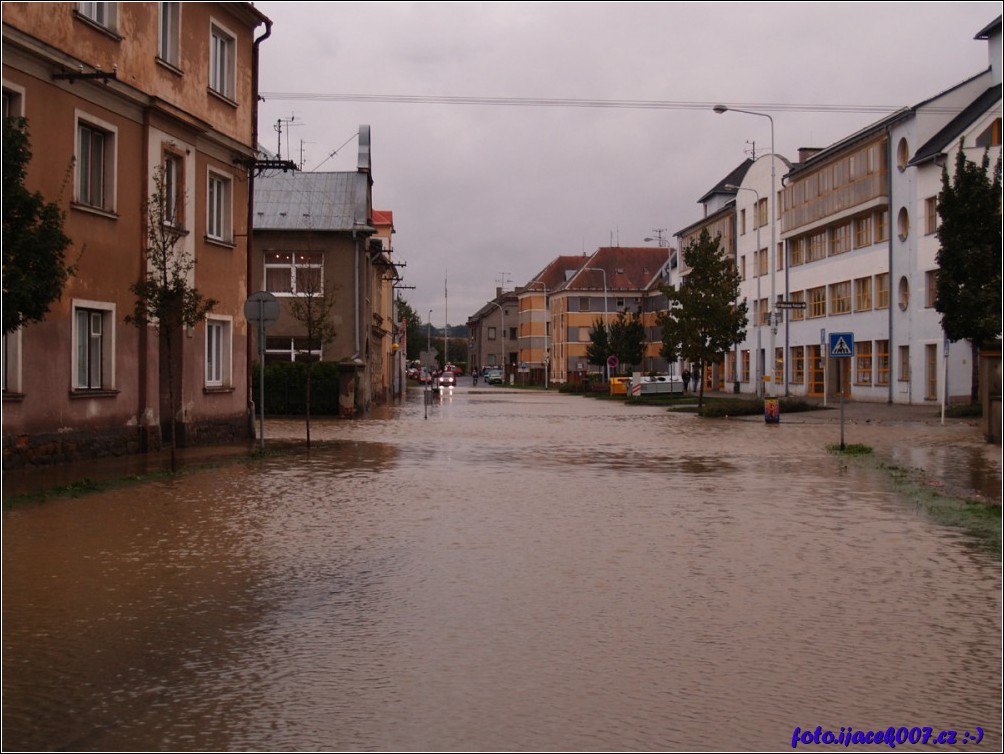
<point x="447" y="379"/>
<point x="494" y="376"/>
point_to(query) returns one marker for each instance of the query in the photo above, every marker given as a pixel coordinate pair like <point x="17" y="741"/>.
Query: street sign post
<point x="841" y="347"/>
<point x="261" y="309"/>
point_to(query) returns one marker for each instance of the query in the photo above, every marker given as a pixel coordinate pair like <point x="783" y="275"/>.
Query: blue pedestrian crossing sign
<point x="841" y="345"/>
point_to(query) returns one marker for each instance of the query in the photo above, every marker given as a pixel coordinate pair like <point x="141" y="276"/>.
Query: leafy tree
<point x="703" y="319"/>
<point x="312" y="308"/>
<point x="969" y="260"/>
<point x="599" y="344"/>
<point x="627" y="339"/>
<point x="413" y="329"/>
<point x="165" y="296"/>
<point x="34" y="244"/>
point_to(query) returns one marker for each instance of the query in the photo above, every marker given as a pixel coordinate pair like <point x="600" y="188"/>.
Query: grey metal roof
<point x="732" y="179"/>
<point x="311" y="201"/>
<point x="940" y="142"/>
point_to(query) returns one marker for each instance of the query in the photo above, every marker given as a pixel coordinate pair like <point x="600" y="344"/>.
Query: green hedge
<point x="286" y="388"/>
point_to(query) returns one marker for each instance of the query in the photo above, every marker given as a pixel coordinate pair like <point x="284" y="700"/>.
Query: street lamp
<point x="547" y="359"/>
<point x="428" y="335"/>
<point x="759" y="346"/>
<point x="773" y="225"/>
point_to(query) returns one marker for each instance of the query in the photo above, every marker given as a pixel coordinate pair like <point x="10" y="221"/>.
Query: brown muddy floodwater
<point x="519" y="571"/>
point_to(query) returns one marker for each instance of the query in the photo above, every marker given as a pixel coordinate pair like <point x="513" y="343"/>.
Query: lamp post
<point x="773" y="226"/>
<point x="759" y="321"/>
<point x="546" y="359"/>
<point x="428" y="335"/>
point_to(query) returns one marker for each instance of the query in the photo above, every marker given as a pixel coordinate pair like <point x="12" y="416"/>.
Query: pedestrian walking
<point x="685" y="374"/>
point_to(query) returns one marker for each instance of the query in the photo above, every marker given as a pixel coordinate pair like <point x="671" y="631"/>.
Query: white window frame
<point x="219" y="351"/>
<point x="290" y="354"/>
<point x="293" y="266"/>
<point x="169" y="40"/>
<point x="219" y="206"/>
<point x="108" y="163"/>
<point x="106" y="311"/>
<point x="174" y="189"/>
<point x="222" y="61"/>
<point x="13" y="97"/>
<point x="104" y="15"/>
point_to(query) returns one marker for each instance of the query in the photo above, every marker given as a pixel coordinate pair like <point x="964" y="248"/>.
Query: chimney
<point x="805" y="153"/>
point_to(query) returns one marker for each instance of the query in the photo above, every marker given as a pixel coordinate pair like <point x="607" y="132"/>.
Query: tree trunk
<point x="170" y="399"/>
<point x="310" y="369"/>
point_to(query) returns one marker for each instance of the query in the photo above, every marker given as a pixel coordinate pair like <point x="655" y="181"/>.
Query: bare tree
<point x="166" y="296"/>
<point x="312" y="308"/>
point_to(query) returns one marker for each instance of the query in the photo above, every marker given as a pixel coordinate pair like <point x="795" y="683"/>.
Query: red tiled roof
<point x="559" y="271"/>
<point x="627" y="268"/>
<point x="383" y="217"/>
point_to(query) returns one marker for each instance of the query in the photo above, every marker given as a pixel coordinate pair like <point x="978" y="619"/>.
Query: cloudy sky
<point x="484" y="193"/>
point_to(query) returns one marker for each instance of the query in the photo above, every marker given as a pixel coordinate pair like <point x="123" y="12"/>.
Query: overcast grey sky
<point x="481" y="190"/>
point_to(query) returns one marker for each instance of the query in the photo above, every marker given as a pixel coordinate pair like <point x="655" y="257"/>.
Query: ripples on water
<point x="514" y="572"/>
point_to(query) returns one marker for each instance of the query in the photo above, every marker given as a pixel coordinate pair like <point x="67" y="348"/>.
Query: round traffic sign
<point x="612" y="361"/>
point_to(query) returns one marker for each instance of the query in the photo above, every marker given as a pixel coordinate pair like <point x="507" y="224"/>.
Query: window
<point x="778" y="365"/>
<point x="218" y="213"/>
<point x="513" y="335"/>
<point x="13" y="101"/>
<point x="744" y="375"/>
<point x="761" y="213"/>
<point x="881" y="226"/>
<point x="222" y="62"/>
<point x="882" y="291"/>
<point x="12" y="362"/>
<point x="102" y="14"/>
<point x="902" y="155"/>
<point x="840" y="239"/>
<point x="170" y="33"/>
<point x="797" y="252"/>
<point x="95" y="164"/>
<point x="930" y="215"/>
<point x="863" y="362"/>
<point x="991" y="136"/>
<point x="93" y="345"/>
<point x="294" y="273"/>
<point x="931" y="296"/>
<point x="817" y="247"/>
<point x="840" y="298"/>
<point x="742" y="222"/>
<point x="218" y="352"/>
<point x="491" y="333"/>
<point x="764" y="312"/>
<point x="762" y="262"/>
<point x="779" y="255"/>
<point x="583" y="303"/>
<point x="904" y="294"/>
<point x="817" y="302"/>
<point x="904" y="363"/>
<point x="903" y="223"/>
<point x="863" y="232"/>
<point x="289" y="348"/>
<point x="931" y="371"/>
<point x="173" y="190"/>
<point x="797" y="315"/>
<point x="742" y="267"/>
<point x="882" y="362"/>
<point x="798" y="364"/>
<point x="862" y="294"/>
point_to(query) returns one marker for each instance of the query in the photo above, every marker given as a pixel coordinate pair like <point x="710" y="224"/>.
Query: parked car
<point x="494" y="376"/>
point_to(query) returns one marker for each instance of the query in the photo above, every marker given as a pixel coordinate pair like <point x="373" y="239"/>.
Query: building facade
<point x="115" y="95"/>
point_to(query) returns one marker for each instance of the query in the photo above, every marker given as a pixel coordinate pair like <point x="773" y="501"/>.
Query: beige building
<point x="114" y="93"/>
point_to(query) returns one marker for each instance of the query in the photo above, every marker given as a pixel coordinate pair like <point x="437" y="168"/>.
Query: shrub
<point x="286" y="388"/>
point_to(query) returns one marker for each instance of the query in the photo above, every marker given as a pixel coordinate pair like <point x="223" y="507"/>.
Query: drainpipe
<point x="889" y="231"/>
<point x="358" y="303"/>
<point x="249" y="243"/>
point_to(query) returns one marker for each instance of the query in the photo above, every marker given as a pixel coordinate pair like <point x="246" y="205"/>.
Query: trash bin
<point x="771" y="411"/>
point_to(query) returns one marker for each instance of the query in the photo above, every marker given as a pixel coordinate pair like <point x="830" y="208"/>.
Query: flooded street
<point x="518" y="571"/>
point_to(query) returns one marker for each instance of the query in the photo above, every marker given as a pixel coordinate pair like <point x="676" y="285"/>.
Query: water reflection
<point x="514" y="572"/>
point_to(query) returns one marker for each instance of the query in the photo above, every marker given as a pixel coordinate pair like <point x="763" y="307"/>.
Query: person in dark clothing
<point x="685" y="374"/>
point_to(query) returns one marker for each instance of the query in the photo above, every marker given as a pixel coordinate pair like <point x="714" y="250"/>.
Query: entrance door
<point x="814" y="370"/>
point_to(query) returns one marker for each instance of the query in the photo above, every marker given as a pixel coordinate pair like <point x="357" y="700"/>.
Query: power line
<point x="415" y="99"/>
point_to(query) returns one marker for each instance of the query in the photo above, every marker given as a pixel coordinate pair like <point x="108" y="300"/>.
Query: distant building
<point x="113" y="93"/>
<point x="494" y="334"/>
<point x="316" y="232"/>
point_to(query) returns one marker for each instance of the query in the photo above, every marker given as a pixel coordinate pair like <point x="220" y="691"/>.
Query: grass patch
<point x="965" y="411"/>
<point x="851" y="449"/>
